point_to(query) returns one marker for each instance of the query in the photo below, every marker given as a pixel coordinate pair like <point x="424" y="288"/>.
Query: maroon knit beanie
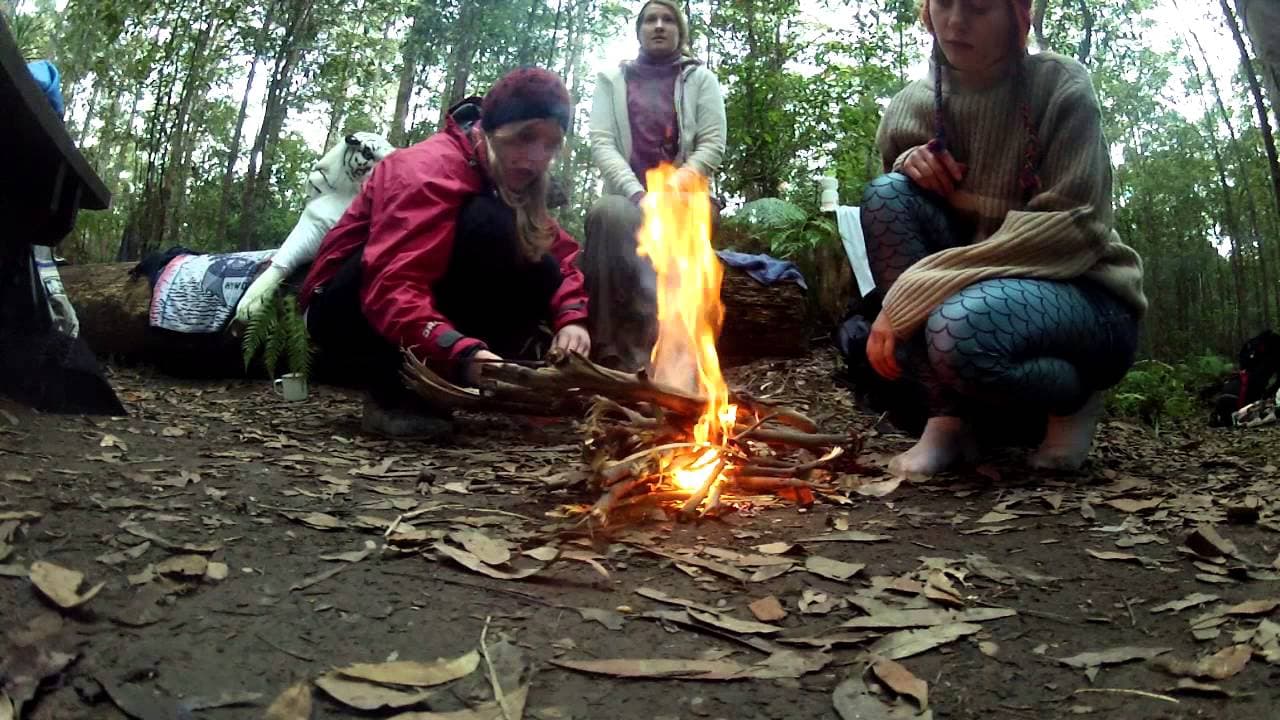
<point x="527" y="93"/>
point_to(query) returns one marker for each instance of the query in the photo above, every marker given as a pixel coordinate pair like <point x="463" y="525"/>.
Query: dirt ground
<point x="207" y="477"/>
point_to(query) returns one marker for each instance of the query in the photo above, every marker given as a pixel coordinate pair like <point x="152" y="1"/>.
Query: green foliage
<point x="278" y="330"/>
<point x="1156" y="393"/>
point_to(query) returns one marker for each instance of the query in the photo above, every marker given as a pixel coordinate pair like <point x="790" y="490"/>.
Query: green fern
<point x="298" y="341"/>
<point x="278" y="331"/>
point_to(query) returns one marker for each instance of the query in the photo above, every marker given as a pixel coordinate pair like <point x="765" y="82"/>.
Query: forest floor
<point x="241" y="543"/>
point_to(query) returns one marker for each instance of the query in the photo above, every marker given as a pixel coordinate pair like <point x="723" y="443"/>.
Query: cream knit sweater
<point x="1064" y="232"/>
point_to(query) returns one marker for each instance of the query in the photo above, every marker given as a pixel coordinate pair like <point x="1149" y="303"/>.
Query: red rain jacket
<point x="403" y="220"/>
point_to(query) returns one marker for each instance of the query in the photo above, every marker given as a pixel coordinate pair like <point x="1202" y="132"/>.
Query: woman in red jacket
<point x="449" y="251"/>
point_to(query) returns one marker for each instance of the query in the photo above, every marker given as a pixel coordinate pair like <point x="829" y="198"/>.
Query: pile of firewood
<point x="640" y="432"/>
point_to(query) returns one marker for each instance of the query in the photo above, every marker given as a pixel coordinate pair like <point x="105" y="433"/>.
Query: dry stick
<point x="691" y="505"/>
<point x="791" y="470"/>
<point x="753" y="428"/>
<point x="493" y="676"/>
<point x="767" y="484"/>
<point x="600" y="511"/>
<point x="1127" y="691"/>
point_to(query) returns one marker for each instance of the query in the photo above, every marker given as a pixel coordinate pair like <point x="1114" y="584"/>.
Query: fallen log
<point x="760" y="320"/>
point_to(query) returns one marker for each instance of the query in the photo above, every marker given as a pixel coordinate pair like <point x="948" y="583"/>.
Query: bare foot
<point x="1068" y="440"/>
<point x="944" y="441"/>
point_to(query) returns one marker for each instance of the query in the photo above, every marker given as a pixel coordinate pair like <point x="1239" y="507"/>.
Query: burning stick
<point x="672" y="435"/>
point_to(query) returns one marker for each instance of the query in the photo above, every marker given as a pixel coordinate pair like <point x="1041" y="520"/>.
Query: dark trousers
<point x="489" y="291"/>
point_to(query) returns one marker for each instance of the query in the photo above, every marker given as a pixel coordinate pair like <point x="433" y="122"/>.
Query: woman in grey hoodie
<point x="664" y="106"/>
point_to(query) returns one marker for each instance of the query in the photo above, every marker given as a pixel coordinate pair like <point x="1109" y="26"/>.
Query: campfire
<point x="674" y="436"/>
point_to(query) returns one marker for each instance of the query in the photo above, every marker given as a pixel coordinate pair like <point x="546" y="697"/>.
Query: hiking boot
<point x="404" y="423"/>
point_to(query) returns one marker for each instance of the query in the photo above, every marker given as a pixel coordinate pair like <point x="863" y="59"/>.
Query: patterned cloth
<point x="198" y="293"/>
<point x="1037" y="344"/>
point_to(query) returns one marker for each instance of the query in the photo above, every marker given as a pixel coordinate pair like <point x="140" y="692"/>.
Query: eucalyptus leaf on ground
<point x="906" y="643"/>
<point x="900" y="680"/>
<point x="475" y="564"/>
<point x="369" y="696"/>
<point x="1112" y="656"/>
<point x="414" y="673"/>
<point x="61" y="585"/>
<point x="832" y="569"/>
<point x="292" y="704"/>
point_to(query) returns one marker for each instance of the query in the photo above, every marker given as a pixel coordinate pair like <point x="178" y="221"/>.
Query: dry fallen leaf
<point x="939" y="589"/>
<point x="475" y="564"/>
<point x="1207" y="542"/>
<point x="879" y="488"/>
<point x="995" y="517"/>
<point x="731" y="624"/>
<point x="854" y="700"/>
<point x="292" y="704"/>
<point x="662" y="597"/>
<point x="767" y="609"/>
<point x="901" y="681"/>
<point x="1111" y="656"/>
<point x="1221" y="665"/>
<point x="1127" y="505"/>
<point x="6" y="707"/>
<point x="414" y="673"/>
<point x="317" y="520"/>
<point x="906" y="643"/>
<point x="61" y="585"/>
<point x="813" y="602"/>
<point x="369" y="696"/>
<point x="927" y="618"/>
<point x="20" y="515"/>
<point x="183" y="565"/>
<point x="515" y="703"/>
<point x="783" y="664"/>
<point x="491" y="551"/>
<point x="1191" y="600"/>
<point x="1253" y="607"/>
<point x="832" y="569"/>
<point x="782" y="548"/>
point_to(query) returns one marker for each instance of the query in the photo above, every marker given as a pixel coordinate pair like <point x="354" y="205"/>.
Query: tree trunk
<point x="461" y="59"/>
<point x="409" y="54"/>
<point x="1246" y="191"/>
<point x="276" y="109"/>
<point x="760" y="321"/>
<point x="1261" y="19"/>
<point x="1086" y="42"/>
<point x="1268" y="142"/>
<point x="1229" y="222"/>
<point x="233" y="155"/>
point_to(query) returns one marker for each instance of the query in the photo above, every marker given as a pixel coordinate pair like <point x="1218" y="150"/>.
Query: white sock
<point x="945" y="440"/>
<point x="1068" y="440"/>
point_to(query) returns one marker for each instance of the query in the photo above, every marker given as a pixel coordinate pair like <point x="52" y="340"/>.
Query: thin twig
<point x="1127" y="691"/>
<point x="285" y="650"/>
<point x="493" y="676"/>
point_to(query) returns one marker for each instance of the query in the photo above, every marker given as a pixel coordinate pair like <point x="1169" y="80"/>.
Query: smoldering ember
<point x="489" y="361"/>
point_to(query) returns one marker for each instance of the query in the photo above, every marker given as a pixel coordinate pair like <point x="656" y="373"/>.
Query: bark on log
<point x="760" y="321"/>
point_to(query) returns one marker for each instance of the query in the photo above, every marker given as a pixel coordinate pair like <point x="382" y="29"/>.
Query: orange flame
<point x="676" y="237"/>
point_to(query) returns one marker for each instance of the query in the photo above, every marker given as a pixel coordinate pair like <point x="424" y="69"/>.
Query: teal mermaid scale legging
<point x="1042" y="345"/>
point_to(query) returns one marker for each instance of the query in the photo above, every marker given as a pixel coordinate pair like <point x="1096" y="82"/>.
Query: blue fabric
<point x="763" y="268"/>
<point x="50" y="82"/>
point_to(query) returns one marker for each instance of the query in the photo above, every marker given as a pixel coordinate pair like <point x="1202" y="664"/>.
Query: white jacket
<point x="699" y="115"/>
